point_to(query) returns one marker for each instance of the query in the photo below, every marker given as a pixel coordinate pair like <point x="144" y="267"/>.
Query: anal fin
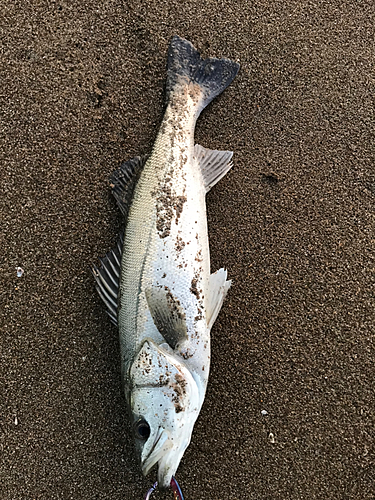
<point x="217" y="289"/>
<point x="214" y="164"/>
<point x="168" y="314"/>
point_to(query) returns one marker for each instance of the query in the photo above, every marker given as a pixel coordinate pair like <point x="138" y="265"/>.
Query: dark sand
<point x="82" y="90"/>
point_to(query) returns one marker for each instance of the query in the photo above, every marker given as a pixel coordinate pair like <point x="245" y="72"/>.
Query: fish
<point x="156" y="282"/>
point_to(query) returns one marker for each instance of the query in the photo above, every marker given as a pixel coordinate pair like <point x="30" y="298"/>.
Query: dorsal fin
<point x="214" y="164"/>
<point x="217" y="289"/>
<point x="124" y="180"/>
<point x="107" y="278"/>
<point x="168" y="314"/>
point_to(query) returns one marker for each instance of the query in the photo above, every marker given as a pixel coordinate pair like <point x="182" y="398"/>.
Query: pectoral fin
<point x="168" y="314"/>
<point x="214" y="164"/>
<point x="218" y="288"/>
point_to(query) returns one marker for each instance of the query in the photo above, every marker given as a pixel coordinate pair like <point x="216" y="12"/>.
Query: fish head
<point x="165" y="403"/>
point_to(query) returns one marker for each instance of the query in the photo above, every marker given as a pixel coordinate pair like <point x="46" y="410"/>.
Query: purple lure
<point x="177" y="493"/>
<point x="148" y="494"/>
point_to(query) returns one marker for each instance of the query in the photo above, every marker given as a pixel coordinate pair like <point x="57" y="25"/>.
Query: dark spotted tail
<point x="185" y="64"/>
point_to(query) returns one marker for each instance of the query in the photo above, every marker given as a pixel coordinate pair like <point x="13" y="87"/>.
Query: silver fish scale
<point x="166" y="243"/>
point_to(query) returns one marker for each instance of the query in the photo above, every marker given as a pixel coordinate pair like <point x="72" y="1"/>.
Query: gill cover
<point x="165" y="395"/>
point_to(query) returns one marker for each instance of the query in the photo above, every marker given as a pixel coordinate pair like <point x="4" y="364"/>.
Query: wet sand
<point x="293" y="222"/>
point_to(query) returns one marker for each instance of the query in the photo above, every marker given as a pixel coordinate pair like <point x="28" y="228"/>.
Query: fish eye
<point x="142" y="429"/>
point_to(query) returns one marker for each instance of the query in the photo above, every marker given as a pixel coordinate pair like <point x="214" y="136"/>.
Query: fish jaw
<point x="160" y="447"/>
<point x="169" y="463"/>
<point x="165" y="395"/>
<point x="167" y="456"/>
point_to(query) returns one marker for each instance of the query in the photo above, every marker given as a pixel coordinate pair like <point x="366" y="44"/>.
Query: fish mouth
<point x="169" y="463"/>
<point x="161" y="445"/>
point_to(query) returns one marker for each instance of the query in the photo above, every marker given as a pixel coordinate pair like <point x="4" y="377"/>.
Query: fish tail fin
<point x="185" y="66"/>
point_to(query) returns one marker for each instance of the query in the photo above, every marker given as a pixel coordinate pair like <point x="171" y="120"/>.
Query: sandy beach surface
<point x="289" y="412"/>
